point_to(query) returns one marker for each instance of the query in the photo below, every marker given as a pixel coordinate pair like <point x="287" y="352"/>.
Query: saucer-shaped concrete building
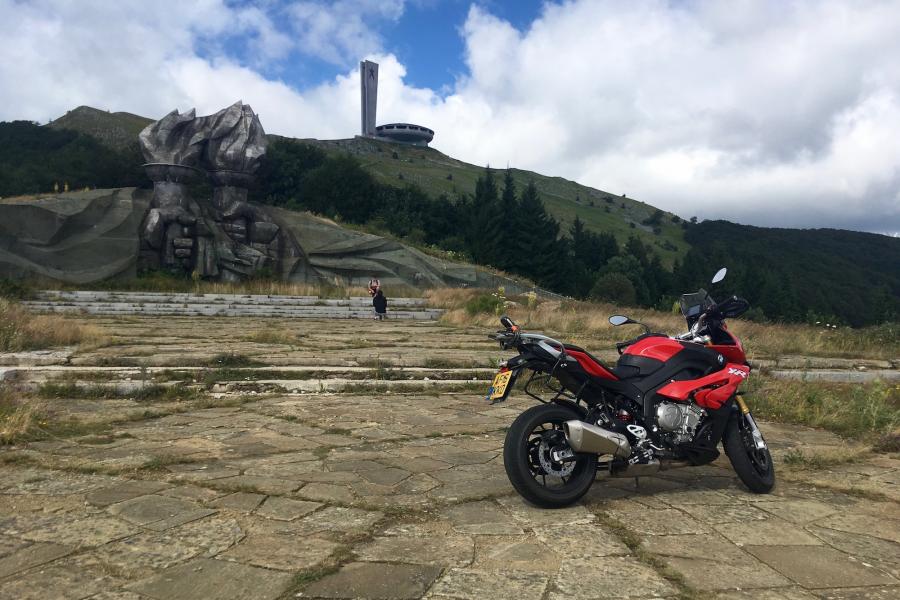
<point x="406" y="133"/>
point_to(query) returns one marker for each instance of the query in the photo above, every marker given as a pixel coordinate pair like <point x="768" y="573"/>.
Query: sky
<point x="781" y="113"/>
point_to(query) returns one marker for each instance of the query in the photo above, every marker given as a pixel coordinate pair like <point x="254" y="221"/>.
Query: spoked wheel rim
<point x="544" y="443"/>
<point x="760" y="459"/>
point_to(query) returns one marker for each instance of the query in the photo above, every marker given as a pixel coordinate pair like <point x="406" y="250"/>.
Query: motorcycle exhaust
<point x="584" y="437"/>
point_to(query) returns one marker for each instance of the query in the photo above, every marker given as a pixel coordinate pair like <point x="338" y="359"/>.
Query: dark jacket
<point x="379" y="302"/>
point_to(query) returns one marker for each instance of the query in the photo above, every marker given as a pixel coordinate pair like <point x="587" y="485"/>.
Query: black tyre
<point x="528" y="457"/>
<point x="753" y="465"/>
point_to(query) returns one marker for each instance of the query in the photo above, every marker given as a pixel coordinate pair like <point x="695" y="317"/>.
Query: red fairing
<point x="659" y="348"/>
<point x="733" y="352"/>
<point x="711" y="391"/>
<point x="591" y="366"/>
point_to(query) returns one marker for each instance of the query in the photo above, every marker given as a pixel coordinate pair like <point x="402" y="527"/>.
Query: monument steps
<point x="227" y="305"/>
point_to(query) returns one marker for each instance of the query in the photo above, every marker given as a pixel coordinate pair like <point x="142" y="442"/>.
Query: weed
<point x="230" y="359"/>
<point x="816" y="460"/>
<point x="275" y="336"/>
<point x="160" y="462"/>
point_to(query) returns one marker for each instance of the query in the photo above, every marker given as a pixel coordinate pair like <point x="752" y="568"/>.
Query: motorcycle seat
<point x="597" y="369"/>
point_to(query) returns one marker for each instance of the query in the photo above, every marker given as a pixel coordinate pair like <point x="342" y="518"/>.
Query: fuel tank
<point x="665" y="358"/>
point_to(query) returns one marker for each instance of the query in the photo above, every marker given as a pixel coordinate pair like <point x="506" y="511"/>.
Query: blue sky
<point x="426" y="38"/>
<point x="766" y="112"/>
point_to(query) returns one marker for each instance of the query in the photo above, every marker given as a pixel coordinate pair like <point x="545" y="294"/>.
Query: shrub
<point x="484" y="303"/>
<point x="614" y="287"/>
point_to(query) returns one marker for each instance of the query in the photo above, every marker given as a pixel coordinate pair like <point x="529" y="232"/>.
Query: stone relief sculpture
<point x="223" y="237"/>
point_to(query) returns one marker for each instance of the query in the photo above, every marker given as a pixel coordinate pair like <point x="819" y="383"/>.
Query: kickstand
<point x="636" y="482"/>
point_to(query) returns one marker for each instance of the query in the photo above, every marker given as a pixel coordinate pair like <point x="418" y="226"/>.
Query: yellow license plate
<point x="498" y="386"/>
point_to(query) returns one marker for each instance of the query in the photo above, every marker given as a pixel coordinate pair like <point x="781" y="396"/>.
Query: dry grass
<point x="22" y="330"/>
<point x="586" y="323"/>
<point x="19" y="418"/>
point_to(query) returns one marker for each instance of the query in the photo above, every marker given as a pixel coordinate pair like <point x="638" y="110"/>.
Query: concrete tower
<point x="368" y="87"/>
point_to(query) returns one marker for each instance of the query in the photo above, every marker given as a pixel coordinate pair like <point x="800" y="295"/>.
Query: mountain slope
<point x="437" y="173"/>
<point x="117" y="130"/>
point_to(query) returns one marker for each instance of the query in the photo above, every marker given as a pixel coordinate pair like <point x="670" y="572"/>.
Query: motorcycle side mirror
<point x="617" y="320"/>
<point x="720" y="275"/>
<point x="507" y="322"/>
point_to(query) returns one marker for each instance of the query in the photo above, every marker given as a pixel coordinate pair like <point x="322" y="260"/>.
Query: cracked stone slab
<point x="799" y="511"/>
<point x="820" y="567"/>
<point x="339" y="518"/>
<point x="375" y="581"/>
<point x="326" y="492"/>
<point x="123" y="491"/>
<point x="286" y="509"/>
<point x="212" y="535"/>
<point x="859" y="545"/>
<point x="447" y="550"/>
<point x="865" y="593"/>
<point x="144" y="553"/>
<point x="80" y="532"/>
<point x="54" y="582"/>
<point x="581" y="541"/>
<point x="482" y="518"/>
<point x="710" y="575"/>
<point x="213" y="580"/>
<point x="280" y="552"/>
<point x="886" y="529"/>
<point x="534" y="516"/>
<point x="793" y="593"/>
<point x="158" y="512"/>
<point x="31" y="556"/>
<point x="518" y="553"/>
<point x="711" y="547"/>
<point x="665" y="521"/>
<point x="608" y="577"/>
<point x="771" y="532"/>
<point x="464" y="584"/>
<point x="241" y="501"/>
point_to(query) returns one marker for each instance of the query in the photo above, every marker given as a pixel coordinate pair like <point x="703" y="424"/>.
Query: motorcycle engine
<point x="679" y="419"/>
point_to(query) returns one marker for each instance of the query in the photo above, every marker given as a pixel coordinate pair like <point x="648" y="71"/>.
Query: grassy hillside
<point x="437" y="173"/>
<point x="117" y="130"/>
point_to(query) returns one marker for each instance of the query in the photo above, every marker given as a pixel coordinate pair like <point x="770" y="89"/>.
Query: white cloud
<point x="764" y="112"/>
<point x="341" y="31"/>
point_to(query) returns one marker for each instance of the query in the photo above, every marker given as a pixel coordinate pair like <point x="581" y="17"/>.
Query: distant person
<point x="379" y="301"/>
<point x="374" y="286"/>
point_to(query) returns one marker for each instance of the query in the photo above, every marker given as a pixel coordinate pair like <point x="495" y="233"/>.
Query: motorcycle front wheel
<point x="530" y="453"/>
<point x="753" y="465"/>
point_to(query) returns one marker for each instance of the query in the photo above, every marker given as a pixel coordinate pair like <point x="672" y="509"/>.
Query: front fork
<point x="758" y="440"/>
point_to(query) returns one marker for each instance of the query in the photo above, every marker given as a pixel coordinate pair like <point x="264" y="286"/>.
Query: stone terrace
<point x="382" y="477"/>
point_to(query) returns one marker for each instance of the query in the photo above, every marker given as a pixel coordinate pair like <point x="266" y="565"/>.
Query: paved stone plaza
<point x="381" y="476"/>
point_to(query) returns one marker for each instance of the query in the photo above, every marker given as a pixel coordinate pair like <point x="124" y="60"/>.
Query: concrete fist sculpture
<point x="225" y="238"/>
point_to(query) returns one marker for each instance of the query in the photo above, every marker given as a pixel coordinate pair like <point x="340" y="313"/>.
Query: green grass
<point x="147" y="393"/>
<point x="429" y="169"/>
<point x="861" y="411"/>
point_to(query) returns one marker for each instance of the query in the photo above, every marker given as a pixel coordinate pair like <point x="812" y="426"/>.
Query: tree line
<point x="35" y="159"/>
<point x="787" y="274"/>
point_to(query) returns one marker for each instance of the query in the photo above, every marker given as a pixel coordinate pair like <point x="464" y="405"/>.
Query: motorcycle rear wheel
<point x="753" y="466"/>
<point x="527" y="457"/>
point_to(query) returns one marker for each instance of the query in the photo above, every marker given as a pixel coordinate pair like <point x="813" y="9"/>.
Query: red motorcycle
<point x="667" y="403"/>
